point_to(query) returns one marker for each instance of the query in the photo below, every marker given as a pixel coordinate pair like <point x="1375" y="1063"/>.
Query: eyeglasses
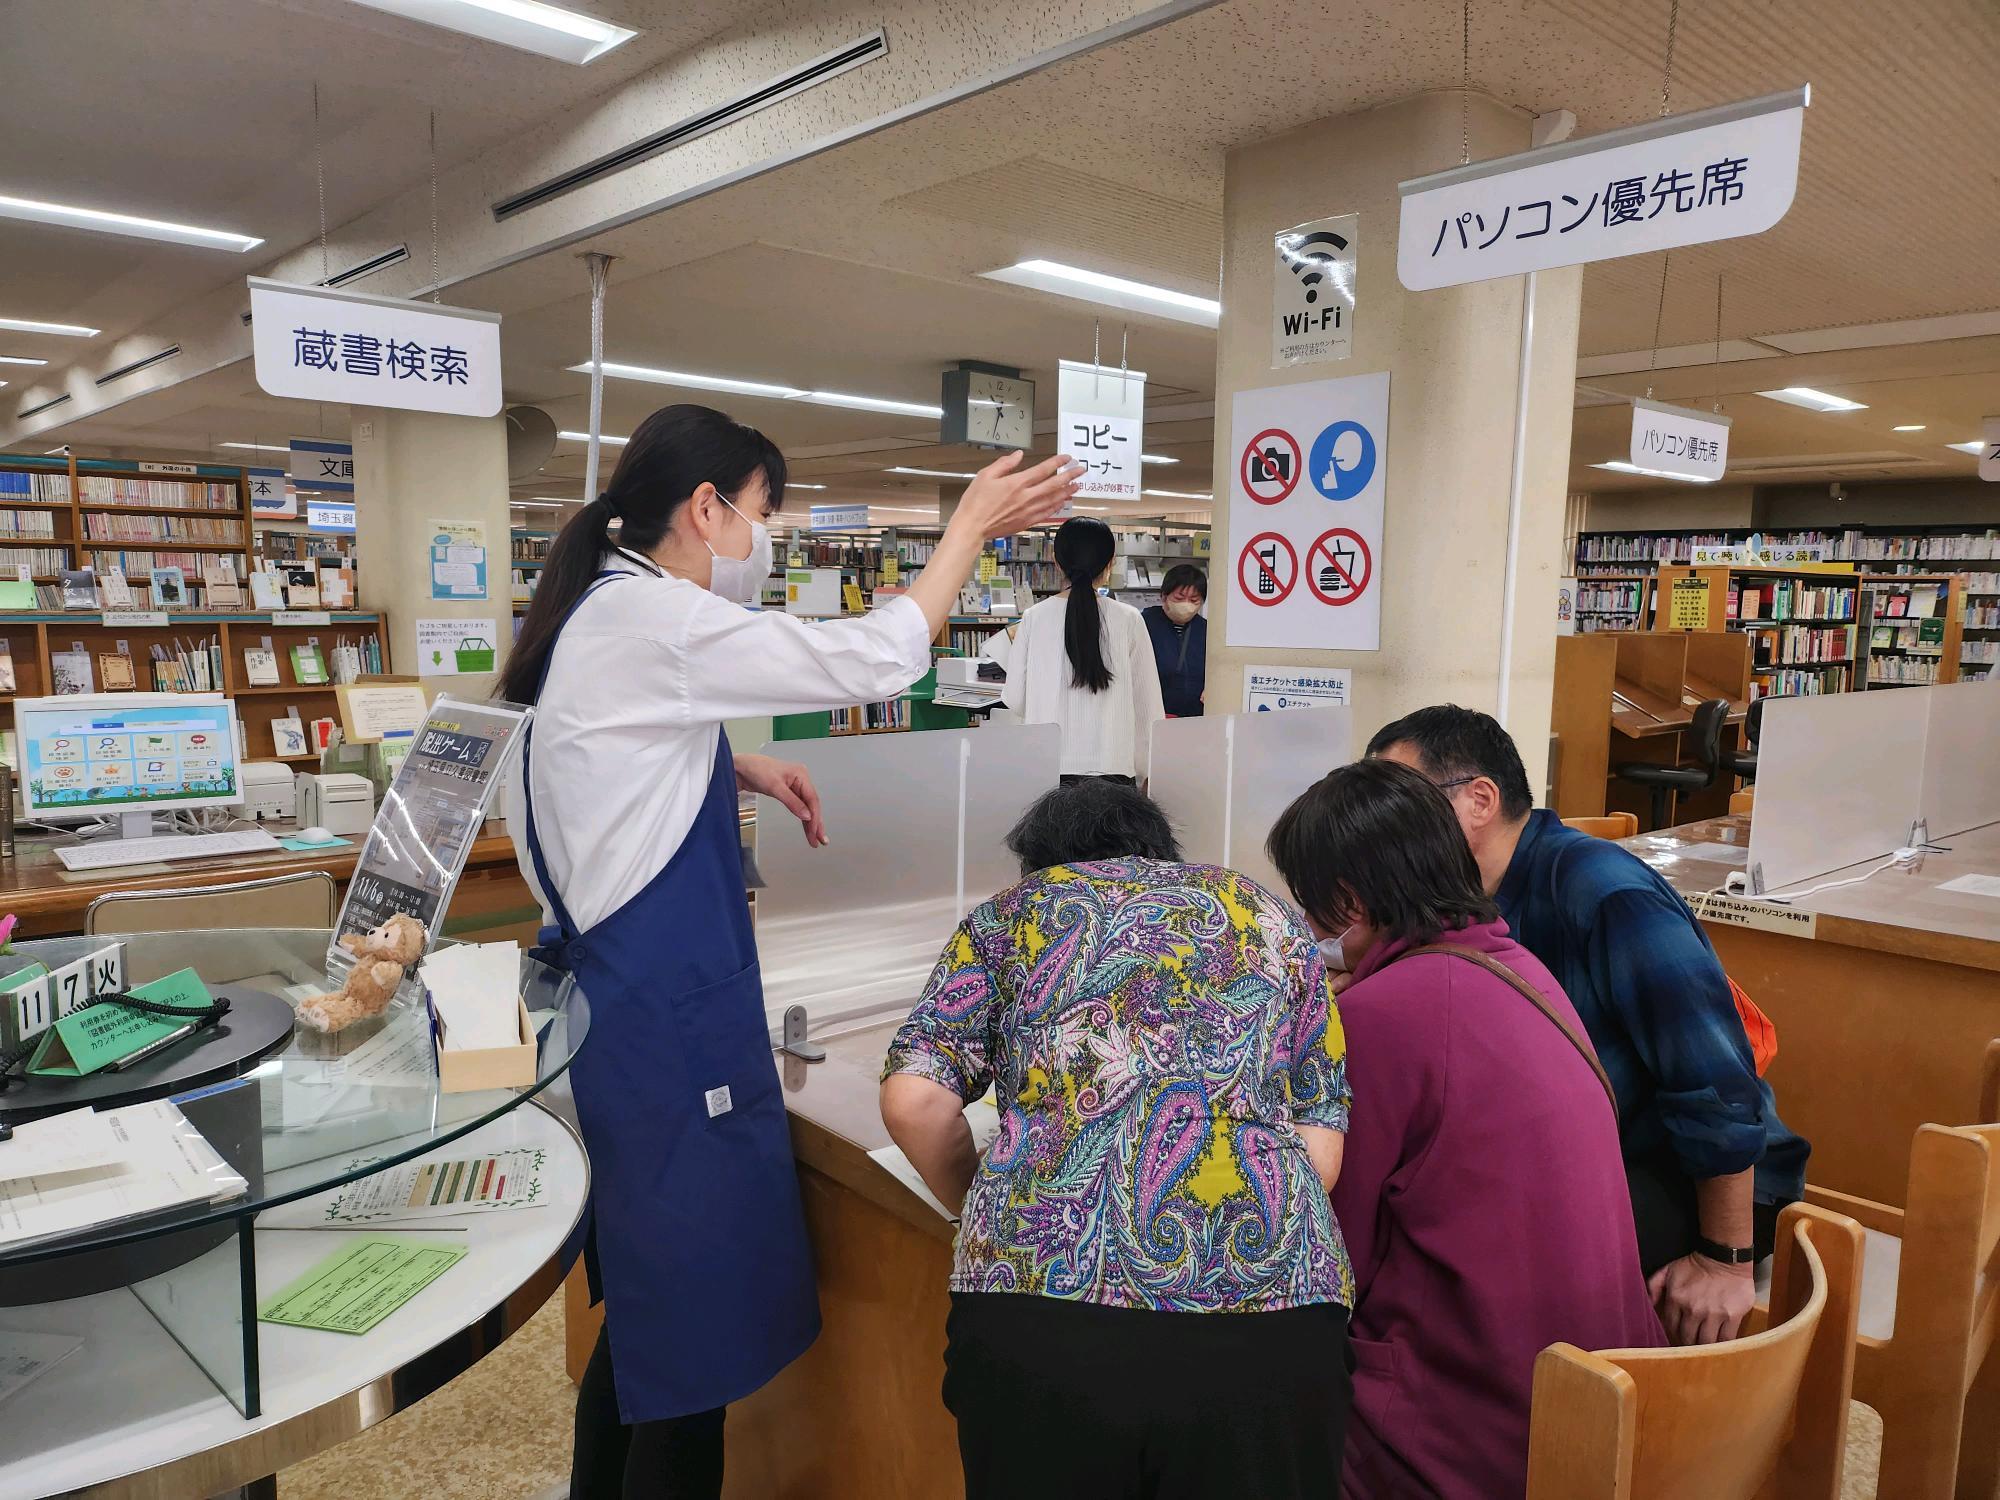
<point x="1445" y="786"/>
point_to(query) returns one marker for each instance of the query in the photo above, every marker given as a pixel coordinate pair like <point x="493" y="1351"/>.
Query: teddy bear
<point x="381" y="955"/>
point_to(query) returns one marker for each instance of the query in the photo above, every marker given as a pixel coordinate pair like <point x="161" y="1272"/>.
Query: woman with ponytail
<point x="1083" y="661"/>
<point x="635" y="651"/>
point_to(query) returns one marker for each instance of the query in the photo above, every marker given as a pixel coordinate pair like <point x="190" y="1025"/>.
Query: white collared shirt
<point x="1103" y="734"/>
<point x="643" y="678"/>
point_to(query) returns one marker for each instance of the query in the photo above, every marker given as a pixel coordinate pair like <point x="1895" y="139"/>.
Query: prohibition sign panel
<point x="1270" y="465"/>
<point x="1268" y="569"/>
<point x="1338" y="567"/>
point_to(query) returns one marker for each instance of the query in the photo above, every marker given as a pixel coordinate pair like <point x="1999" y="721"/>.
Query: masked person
<point x="1180" y="639"/>
<point x="634" y="652"/>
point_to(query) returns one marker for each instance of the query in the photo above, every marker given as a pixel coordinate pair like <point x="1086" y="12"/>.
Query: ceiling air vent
<point x="819" y="70"/>
<point x="354" y="273"/>
<point x="137" y="365"/>
<point x="35" y="411"/>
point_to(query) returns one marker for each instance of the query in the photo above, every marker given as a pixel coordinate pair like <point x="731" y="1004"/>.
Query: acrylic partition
<point x="917" y="822"/>
<point x="1962" y="757"/>
<point x="1839" y="780"/>
<point x="1224" y="779"/>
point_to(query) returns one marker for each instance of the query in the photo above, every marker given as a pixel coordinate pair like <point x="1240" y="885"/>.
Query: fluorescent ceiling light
<point x="1620" y="466"/>
<point x="930" y="473"/>
<point x="539" y="504"/>
<point x="1175" y="495"/>
<point x="68" y="217"/>
<point x="793" y="484"/>
<point x="1812" y="400"/>
<point x="1156" y="458"/>
<point x="17" y="359"/>
<point x="603" y="437"/>
<point x="733" y="386"/>
<point x="66" y="330"/>
<point x="1974" y="448"/>
<point x="1909" y="427"/>
<point x="1109" y="291"/>
<point x="547" y="30"/>
<point x="259" y="447"/>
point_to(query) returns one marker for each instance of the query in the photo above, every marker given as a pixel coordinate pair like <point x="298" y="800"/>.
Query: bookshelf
<point x="1911" y="630"/>
<point x="1614" y="601"/>
<point x="1801" y="619"/>
<point x="528" y="554"/>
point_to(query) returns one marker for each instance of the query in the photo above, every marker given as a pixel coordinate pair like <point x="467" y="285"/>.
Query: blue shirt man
<point x="1708" y="1160"/>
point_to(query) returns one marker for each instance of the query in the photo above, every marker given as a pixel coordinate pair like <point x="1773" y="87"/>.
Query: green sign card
<point x="355" y="1288"/>
<point x="100" y="1035"/>
<point x="16" y="595"/>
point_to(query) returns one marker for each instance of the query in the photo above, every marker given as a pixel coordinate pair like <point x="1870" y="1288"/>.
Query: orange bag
<point x="1757" y="1026"/>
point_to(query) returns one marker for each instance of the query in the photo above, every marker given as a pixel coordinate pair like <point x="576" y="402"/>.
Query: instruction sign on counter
<point x="1307" y="484"/>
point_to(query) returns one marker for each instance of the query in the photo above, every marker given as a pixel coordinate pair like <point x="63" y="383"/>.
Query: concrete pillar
<point x="412" y="470"/>
<point x="1453" y="359"/>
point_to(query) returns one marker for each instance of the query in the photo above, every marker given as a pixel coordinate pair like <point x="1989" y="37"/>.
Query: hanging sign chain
<point x="319" y="172"/>
<point x="1465" y="84"/>
<point x="437" y="294"/>
<point x="598" y="265"/>
<point x="1659" y="317"/>
<point x="1124" y="349"/>
<point x="1096" y="343"/>
<point x="1718" y="342"/>
<point x="1667" y="73"/>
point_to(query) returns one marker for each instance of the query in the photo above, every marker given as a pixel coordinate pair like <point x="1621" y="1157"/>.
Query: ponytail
<point x="1084" y="548"/>
<point x="671" y="455"/>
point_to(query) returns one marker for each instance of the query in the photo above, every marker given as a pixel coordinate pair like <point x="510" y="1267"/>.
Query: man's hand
<point x="1702" y="1301"/>
<point x="787" y="782"/>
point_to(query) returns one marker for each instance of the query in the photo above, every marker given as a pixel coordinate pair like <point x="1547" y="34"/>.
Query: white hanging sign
<point x="1989" y="449"/>
<point x="1312" y="291"/>
<point x="1676" y="440"/>
<point x="270" y="495"/>
<point x="838" y="518"/>
<point x="320" y="465"/>
<point x="1100" y="422"/>
<point x="330" y="515"/>
<point x="313" y="344"/>
<point x="1712" y="174"/>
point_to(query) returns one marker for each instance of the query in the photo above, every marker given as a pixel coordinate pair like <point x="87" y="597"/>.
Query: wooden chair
<point x="307" y="899"/>
<point x="1742" y="800"/>
<point x="1925" y="1355"/>
<point x="1764" y="1416"/>
<point x="1618" y="825"/>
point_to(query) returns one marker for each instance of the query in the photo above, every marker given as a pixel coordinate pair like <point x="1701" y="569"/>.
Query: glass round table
<point x="152" y="1330"/>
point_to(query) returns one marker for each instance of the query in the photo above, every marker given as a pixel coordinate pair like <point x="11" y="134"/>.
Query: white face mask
<point x="1334" y="952"/>
<point x="741" y="579"/>
<point x="1180" y="611"/>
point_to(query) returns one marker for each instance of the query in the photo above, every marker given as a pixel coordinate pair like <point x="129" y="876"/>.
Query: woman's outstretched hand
<point x="1005" y="498"/>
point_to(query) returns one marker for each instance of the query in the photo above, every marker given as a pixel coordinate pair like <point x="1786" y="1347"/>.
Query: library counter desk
<point x="492" y="902"/>
<point x="1884" y="992"/>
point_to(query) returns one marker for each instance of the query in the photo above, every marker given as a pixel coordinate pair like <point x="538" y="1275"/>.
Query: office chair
<point x="1744" y="762"/>
<point x="1705" y="729"/>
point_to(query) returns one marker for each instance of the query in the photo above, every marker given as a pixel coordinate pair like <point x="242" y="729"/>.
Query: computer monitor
<point x="132" y="754"/>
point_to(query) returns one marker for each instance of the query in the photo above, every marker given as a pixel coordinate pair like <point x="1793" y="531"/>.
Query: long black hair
<point x="672" y="454"/>
<point x="1378" y="841"/>
<point x="1084" y="547"/>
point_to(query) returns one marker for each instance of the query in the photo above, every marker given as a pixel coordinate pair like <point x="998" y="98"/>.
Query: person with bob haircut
<point x="1481" y="1191"/>
<point x="1149" y="1292"/>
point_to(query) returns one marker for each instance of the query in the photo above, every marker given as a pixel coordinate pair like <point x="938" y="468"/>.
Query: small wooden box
<point x="470" y="1070"/>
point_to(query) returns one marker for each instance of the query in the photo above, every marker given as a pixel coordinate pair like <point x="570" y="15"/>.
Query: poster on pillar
<point x="458" y="560"/>
<point x="1712" y="174"/>
<point x="1307" y="481"/>
<point x="1678" y="442"/>
<point x="1312" y="291"/>
<point x="1100" y="422"/>
<point x="313" y="344"/>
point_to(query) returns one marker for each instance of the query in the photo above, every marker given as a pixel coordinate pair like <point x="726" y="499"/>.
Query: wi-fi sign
<point x="1312" y="257"/>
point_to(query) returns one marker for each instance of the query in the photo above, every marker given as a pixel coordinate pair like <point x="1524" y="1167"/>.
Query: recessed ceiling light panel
<point x="1812" y="400"/>
<point x="63" y="330"/>
<point x="68" y="216"/>
<point x="1109" y="291"/>
<point x="546" y="30"/>
<point x="1620" y="466"/>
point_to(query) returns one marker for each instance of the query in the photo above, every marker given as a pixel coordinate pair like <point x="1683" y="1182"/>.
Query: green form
<point x="358" y="1286"/>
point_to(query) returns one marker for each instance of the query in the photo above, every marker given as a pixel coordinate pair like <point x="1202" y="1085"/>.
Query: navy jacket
<point x="1183" y="674"/>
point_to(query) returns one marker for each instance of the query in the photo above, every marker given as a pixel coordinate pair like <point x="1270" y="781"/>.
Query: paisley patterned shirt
<point x="1153" y="1033"/>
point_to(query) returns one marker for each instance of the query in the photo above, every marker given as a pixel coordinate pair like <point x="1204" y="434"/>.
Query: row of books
<point x="297" y="546"/>
<point x="1979" y="651"/>
<point x="174" y="494"/>
<point x="1795" y="682"/>
<point x="1982" y="616"/>
<point x="41" y="562"/>
<point x="1591" y="624"/>
<point x="1611" y="547"/>
<point x="137" y="564"/>
<point x="969" y="640"/>
<point x="1982" y="583"/>
<point x="27" y="525"/>
<point x="102" y="526"/>
<point x="1609" y="598"/>
<point x="1919" y="602"/>
<point x="1789" y="599"/>
<point x="1798" y="644"/>
<point x="1901" y="671"/>
<point x="530" y="548"/>
<point x="1891" y="638"/>
<point x="50" y="488"/>
<point x="350" y="659"/>
<point x="1977" y="546"/>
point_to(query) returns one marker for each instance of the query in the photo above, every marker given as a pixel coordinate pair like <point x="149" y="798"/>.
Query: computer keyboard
<point x="167" y="847"/>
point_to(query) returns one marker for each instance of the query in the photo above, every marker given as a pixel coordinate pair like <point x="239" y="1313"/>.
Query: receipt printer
<point x="268" y="792"/>
<point x="335" y="801"/>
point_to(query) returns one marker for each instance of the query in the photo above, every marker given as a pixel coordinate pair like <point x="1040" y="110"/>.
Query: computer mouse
<point x="317" y="835"/>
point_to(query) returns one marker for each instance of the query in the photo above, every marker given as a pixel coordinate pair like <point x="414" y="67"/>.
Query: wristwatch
<point x="1728" y="1255"/>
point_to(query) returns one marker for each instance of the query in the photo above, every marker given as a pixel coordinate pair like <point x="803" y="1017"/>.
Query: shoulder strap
<point x="1534" y="997"/>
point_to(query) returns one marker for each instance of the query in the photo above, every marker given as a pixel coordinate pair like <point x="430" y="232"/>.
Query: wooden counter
<point x="1884" y="993"/>
<point x="492" y="901"/>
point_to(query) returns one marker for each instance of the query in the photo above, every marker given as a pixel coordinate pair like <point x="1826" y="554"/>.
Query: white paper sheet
<point x="444" y="1186"/>
<point x="474" y="988"/>
<point x="68" y="1142"/>
<point x="1722" y="854"/>
<point x="984" y="1119"/>
<point x="1974" y="885"/>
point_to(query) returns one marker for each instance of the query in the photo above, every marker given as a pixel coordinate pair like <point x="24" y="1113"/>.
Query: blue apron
<point x="700" y="1239"/>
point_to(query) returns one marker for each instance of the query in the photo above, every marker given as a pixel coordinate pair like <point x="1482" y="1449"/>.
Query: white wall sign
<point x="270" y="494"/>
<point x="1268" y="688"/>
<point x="1565" y="606"/>
<point x="838" y="517"/>
<point x="1713" y="174"/>
<point x="1989" y="450"/>
<point x="1307" y="479"/>
<point x="447" y="648"/>
<point x="1678" y="440"/>
<point x="1100" y="422"/>
<point x="319" y="345"/>
<point x="331" y="516"/>
<point x="1312" y="291"/>
<point x="320" y="465"/>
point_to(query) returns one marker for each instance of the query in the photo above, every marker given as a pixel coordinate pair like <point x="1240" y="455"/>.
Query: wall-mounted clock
<point x="987" y="406"/>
